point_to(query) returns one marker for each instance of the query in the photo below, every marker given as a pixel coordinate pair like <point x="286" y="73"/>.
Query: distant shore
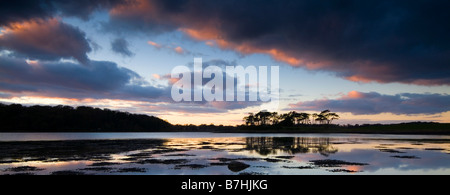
<point x="17" y="118"/>
<point x="402" y="128"/>
<point x="417" y="128"/>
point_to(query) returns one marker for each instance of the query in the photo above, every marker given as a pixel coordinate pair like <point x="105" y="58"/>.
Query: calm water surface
<point x="214" y="153"/>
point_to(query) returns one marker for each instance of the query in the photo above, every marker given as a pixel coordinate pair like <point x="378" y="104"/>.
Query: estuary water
<point x="222" y="154"/>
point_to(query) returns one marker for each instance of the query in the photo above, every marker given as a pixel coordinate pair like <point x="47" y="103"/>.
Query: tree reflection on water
<point x="291" y="145"/>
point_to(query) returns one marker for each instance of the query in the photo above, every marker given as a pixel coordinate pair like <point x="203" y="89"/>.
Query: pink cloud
<point x="156" y="45"/>
<point x="46" y="39"/>
<point x="179" y="50"/>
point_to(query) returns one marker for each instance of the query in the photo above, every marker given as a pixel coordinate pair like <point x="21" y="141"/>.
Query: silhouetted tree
<point x="314" y="117"/>
<point x="286" y="119"/>
<point x="304" y="118"/>
<point x="264" y="117"/>
<point x="326" y="117"/>
<point x="332" y="116"/>
<point x="274" y="118"/>
<point x="295" y="116"/>
<point x="250" y="119"/>
<point x="320" y="118"/>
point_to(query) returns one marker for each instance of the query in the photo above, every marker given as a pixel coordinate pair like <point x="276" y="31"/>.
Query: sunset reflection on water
<point x="294" y="155"/>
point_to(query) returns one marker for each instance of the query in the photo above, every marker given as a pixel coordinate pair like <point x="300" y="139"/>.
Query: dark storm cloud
<point x="83" y="8"/>
<point x="21" y="10"/>
<point x="46" y="40"/>
<point x="363" y="41"/>
<point x="120" y="46"/>
<point x="99" y="80"/>
<point x="374" y="40"/>
<point x="375" y="103"/>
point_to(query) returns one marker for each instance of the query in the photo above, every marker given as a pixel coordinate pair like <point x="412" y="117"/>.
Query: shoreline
<point x="248" y="132"/>
<point x="416" y="128"/>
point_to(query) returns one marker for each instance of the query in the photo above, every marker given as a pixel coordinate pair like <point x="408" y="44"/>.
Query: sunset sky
<point x="378" y="61"/>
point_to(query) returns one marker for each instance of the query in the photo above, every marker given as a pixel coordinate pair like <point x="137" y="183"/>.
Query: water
<point x="217" y="153"/>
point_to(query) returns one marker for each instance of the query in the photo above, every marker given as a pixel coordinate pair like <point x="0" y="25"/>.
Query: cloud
<point x="363" y="41"/>
<point x="45" y="40"/>
<point x="4" y="95"/>
<point x="174" y="48"/>
<point x="197" y="107"/>
<point x="17" y="11"/>
<point x="179" y="50"/>
<point x="234" y="104"/>
<point x="156" y="45"/>
<point x="99" y="80"/>
<point x="35" y="45"/>
<point x="185" y="107"/>
<point x="216" y="62"/>
<point x="205" y="64"/>
<point x="84" y="8"/>
<point x="221" y="106"/>
<point x="23" y="10"/>
<point x="120" y="46"/>
<point x="374" y="103"/>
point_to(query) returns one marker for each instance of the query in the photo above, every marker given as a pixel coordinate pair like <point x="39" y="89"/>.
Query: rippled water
<point x="210" y="153"/>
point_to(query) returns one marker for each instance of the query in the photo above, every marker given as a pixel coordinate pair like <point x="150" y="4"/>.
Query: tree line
<point x="16" y="117"/>
<point x="263" y="118"/>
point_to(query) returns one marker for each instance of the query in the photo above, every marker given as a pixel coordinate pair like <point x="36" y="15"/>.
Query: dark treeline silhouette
<point x="203" y="128"/>
<point x="18" y="118"/>
<point x="295" y="122"/>
<point x="264" y="118"/>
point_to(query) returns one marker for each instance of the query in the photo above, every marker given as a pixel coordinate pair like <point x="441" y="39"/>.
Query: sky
<point x="377" y="61"/>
